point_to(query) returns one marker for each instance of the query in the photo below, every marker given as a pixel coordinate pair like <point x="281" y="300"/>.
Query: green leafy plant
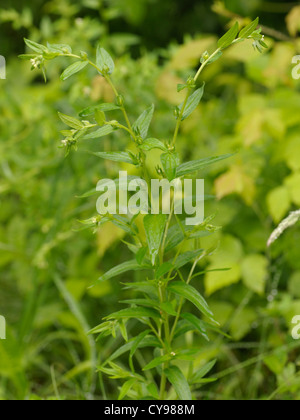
<point x="158" y="242"/>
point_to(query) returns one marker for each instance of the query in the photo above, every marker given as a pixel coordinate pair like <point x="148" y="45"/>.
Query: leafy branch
<point x="162" y="296"/>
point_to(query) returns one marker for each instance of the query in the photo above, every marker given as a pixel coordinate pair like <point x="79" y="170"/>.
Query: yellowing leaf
<point x="235" y="181"/>
<point x="292" y="153"/>
<point x="250" y="127"/>
<point x="108" y="234"/>
<point x="230" y="252"/>
<point x="293" y="21"/>
<point x="218" y="280"/>
<point x="293" y="185"/>
<point x="187" y="56"/>
<point x="229" y="255"/>
<point x="278" y="202"/>
<point x="101" y="90"/>
<point x="243" y="52"/>
<point x="242" y="322"/>
<point x="254" y="272"/>
<point x="280" y="61"/>
<point x="166" y="88"/>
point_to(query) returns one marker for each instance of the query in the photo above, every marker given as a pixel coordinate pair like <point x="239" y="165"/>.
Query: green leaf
<point x="279" y="202"/>
<point x="126" y="388"/>
<point x="140" y="255"/>
<point x="144" y="287"/>
<point x="153" y="391"/>
<point x="71" y="121"/>
<point x="229" y="37"/>
<point x="142" y="302"/>
<point x="123" y="330"/>
<point x="141" y="126"/>
<point x="101" y="132"/>
<point x="155" y="228"/>
<point x="158" y="361"/>
<point x="137" y="342"/>
<point x="150" y="144"/>
<point x="164" y="269"/>
<point x="121" y="269"/>
<point x="179" y="382"/>
<point x="187" y="257"/>
<point x="196" y="323"/>
<point x="134" y="313"/>
<point x="73" y="69"/>
<point x="181" y="87"/>
<point x="196" y="165"/>
<point x="59" y="48"/>
<point x="192" y="103"/>
<point x="104" y="61"/>
<point x="249" y="29"/>
<point x="39" y="48"/>
<point x="117" y="372"/>
<point x="27" y="56"/>
<point x="168" y="308"/>
<point x="174" y="238"/>
<point x="124" y="157"/>
<point x="255" y="272"/>
<point x="100" y="328"/>
<point x="170" y="162"/>
<point x="191" y="294"/>
<point x="199" y="375"/>
<point x="215" y="57"/>
<point x="146" y="342"/>
<point x="102" y="107"/>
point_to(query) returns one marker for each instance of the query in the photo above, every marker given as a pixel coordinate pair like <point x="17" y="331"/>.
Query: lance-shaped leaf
<point x="137" y="341"/>
<point x="179" y="382"/>
<point x="196" y="323"/>
<point x="142" y="124"/>
<point x="73" y="69"/>
<point x="124" y="157"/>
<point x="134" y="313"/>
<point x="196" y="165"/>
<point x="86" y="112"/>
<point x="71" y="121"/>
<point x="187" y="257"/>
<point x="170" y="162"/>
<point x="192" y="103"/>
<point x="202" y="372"/>
<point x="101" y="132"/>
<point x="191" y="294"/>
<point x="155" y="228"/>
<point x="229" y="37"/>
<point x="121" y="269"/>
<point x="104" y="61"/>
<point x="146" y="342"/>
<point x="150" y="144"/>
<point x="38" y="48"/>
<point x="59" y="48"/>
<point x="126" y="387"/>
<point x="158" y="361"/>
<point x="249" y="29"/>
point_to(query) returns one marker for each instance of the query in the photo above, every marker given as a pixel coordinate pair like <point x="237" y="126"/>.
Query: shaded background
<point x="252" y="104"/>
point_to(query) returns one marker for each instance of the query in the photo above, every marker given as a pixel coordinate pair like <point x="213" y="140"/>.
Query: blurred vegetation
<point x="252" y="105"/>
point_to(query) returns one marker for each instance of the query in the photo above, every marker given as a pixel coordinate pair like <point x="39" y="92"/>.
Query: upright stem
<point x="179" y="118"/>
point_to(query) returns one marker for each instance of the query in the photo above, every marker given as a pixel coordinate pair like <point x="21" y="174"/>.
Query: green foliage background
<point x="251" y="104"/>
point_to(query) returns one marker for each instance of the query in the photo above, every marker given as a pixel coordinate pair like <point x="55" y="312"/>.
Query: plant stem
<point x="179" y="118"/>
<point x="182" y="300"/>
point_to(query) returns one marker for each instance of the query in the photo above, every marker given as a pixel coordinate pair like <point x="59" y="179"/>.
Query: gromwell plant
<point x="158" y="243"/>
